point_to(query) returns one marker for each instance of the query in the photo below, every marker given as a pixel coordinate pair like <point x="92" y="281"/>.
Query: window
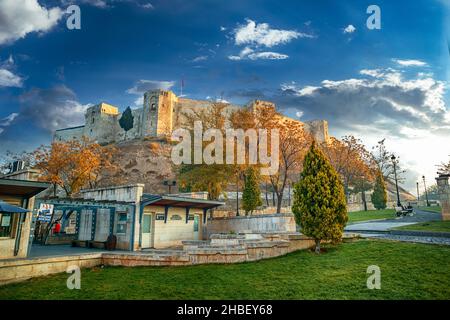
<point x="5" y="225"/>
<point x="153" y="107"/>
<point x="121" y="222"/>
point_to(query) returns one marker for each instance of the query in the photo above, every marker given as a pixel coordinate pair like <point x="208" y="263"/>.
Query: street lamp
<point x="396" y="181"/>
<point x="426" y="192"/>
<point x="418" y="194"/>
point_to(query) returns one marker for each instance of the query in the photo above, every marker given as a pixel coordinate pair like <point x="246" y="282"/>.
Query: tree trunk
<point x="279" y="202"/>
<point x="317" y="246"/>
<point x="273" y="198"/>
<point x="267" y="196"/>
<point x="363" y="197"/>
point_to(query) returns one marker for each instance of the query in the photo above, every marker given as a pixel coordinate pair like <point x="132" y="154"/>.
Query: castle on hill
<point x="161" y="113"/>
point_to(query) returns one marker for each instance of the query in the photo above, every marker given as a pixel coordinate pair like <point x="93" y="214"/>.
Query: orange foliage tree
<point x="353" y="163"/>
<point x="293" y="143"/>
<point x="73" y="165"/>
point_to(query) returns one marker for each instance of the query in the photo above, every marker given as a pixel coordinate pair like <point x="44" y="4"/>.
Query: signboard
<point x="45" y="212"/>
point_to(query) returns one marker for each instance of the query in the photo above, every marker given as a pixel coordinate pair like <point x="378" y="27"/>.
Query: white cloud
<point x="9" y="79"/>
<point x="21" y="17"/>
<point x="222" y="28"/>
<point x="410" y="63"/>
<point x="249" y="53"/>
<point x="52" y="108"/>
<point x="411" y="112"/>
<point x="262" y="35"/>
<point x="142" y="86"/>
<point x="299" y="114"/>
<point x="349" y="29"/>
<point x="267" y="56"/>
<point x="8" y="120"/>
<point x="147" y="6"/>
<point x="254" y="36"/>
<point x="200" y="58"/>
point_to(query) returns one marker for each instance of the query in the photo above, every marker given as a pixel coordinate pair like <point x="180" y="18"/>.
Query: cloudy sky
<point x="315" y="59"/>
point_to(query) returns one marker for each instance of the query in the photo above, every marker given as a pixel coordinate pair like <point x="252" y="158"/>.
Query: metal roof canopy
<point x="182" y="202"/>
<point x="24" y="188"/>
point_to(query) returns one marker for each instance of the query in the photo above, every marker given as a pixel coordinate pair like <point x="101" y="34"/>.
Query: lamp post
<point x="396" y="181"/>
<point x="418" y="194"/>
<point x="426" y="192"/>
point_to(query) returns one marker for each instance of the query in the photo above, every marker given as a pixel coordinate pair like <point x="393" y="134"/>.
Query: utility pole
<point x="426" y="192"/>
<point x="399" y="204"/>
<point x="418" y="194"/>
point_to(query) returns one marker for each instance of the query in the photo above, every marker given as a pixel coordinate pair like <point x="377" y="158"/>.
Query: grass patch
<point x="431" y="209"/>
<point x="408" y="271"/>
<point x="436" y="226"/>
<point x="359" y="216"/>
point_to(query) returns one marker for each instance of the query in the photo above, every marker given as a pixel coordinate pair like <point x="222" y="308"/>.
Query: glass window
<point x="146" y="224"/>
<point x="5" y="225"/>
<point x="121" y="222"/>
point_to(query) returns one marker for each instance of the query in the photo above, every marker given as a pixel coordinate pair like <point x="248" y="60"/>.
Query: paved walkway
<point x="380" y="228"/>
<point x="39" y="251"/>
<point x="385" y="225"/>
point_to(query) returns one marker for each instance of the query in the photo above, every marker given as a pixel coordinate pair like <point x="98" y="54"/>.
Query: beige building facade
<point x="15" y="228"/>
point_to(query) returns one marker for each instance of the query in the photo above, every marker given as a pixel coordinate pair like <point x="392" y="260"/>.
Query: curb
<point x="420" y="233"/>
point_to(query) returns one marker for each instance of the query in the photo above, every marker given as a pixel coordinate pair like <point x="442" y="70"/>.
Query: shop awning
<point x="177" y="201"/>
<point x="22" y="188"/>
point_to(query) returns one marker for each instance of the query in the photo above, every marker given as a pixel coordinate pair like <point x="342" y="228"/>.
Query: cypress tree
<point x="251" y="196"/>
<point x="126" y="120"/>
<point x="379" y="195"/>
<point x="319" y="200"/>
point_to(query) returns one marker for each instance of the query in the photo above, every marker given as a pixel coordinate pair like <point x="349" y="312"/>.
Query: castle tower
<point x="318" y="129"/>
<point x="157" y="116"/>
<point x="101" y="122"/>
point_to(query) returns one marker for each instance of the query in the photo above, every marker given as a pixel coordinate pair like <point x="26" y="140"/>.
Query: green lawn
<point x="437" y="226"/>
<point x="408" y="271"/>
<point x="432" y="209"/>
<point x="358" y="216"/>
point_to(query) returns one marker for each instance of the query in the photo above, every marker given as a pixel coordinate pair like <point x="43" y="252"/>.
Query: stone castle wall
<point x="162" y="112"/>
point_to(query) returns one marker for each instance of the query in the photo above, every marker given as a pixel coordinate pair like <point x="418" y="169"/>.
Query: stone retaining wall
<point x="260" y="223"/>
<point x="19" y="270"/>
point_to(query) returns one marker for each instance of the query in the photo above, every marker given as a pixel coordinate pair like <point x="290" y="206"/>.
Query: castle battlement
<point x="161" y="113"/>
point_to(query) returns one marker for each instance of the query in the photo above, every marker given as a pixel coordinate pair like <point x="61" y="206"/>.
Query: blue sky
<point x="315" y="59"/>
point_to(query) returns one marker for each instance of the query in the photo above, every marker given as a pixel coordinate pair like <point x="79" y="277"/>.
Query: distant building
<point x="161" y="113"/>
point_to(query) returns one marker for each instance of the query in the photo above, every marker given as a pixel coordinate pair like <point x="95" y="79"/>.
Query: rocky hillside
<point x="142" y="161"/>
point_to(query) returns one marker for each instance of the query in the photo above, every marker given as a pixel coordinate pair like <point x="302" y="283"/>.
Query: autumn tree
<point x="383" y="159"/>
<point x="293" y="143"/>
<point x="213" y="178"/>
<point x="444" y="168"/>
<point x="251" y="196"/>
<point x="319" y="202"/>
<point x="73" y="165"/>
<point x="352" y="162"/>
<point x="379" y="195"/>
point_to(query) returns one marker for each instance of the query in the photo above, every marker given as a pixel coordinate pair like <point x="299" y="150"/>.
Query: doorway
<point x="197" y="226"/>
<point x="147" y="231"/>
